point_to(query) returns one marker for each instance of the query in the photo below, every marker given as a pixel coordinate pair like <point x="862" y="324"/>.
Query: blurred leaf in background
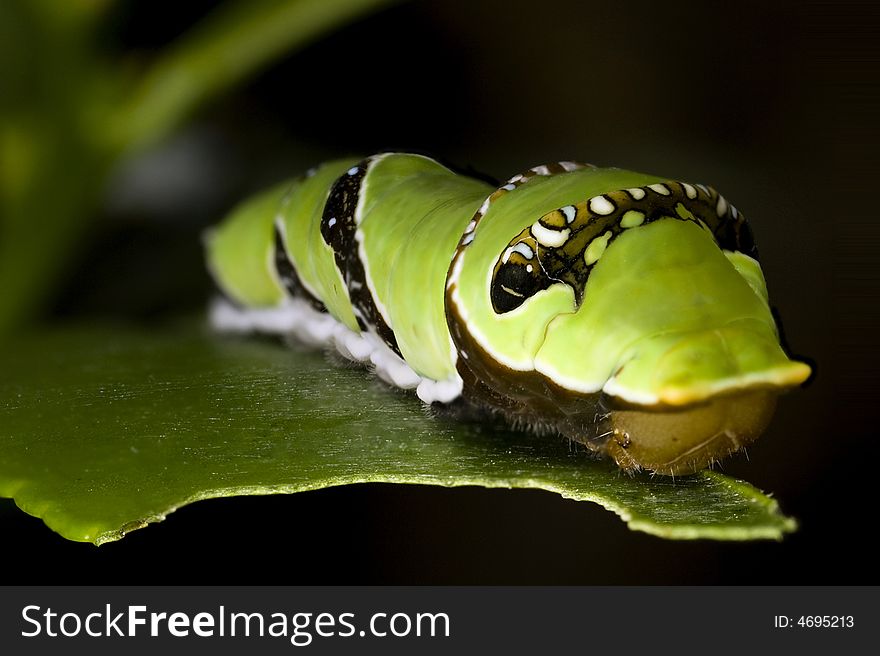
<point x="70" y="112"/>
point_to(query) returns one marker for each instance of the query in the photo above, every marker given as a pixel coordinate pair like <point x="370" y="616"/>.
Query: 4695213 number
<point x="815" y="622"/>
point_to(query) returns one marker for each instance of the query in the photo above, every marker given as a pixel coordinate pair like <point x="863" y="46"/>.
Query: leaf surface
<point x="106" y="429"/>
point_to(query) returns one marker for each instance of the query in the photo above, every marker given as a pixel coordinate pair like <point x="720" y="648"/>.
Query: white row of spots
<point x="569" y="212"/>
<point x="689" y="190"/>
<point x="516" y="181"/>
<point x="296" y="318"/>
<point x="721" y="206"/>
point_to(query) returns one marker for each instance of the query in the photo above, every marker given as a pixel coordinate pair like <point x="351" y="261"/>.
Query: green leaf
<point x="104" y="430"/>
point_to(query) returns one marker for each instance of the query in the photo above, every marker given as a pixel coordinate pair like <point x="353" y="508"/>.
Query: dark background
<point x="774" y="104"/>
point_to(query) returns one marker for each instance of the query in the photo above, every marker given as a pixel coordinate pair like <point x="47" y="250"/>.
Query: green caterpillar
<point x="625" y="311"/>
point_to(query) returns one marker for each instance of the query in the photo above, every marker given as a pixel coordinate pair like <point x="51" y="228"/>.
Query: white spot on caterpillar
<point x="470" y="226"/>
<point x="522" y="248"/>
<point x="549" y="238"/>
<point x="541" y="170"/>
<point x="516" y="178"/>
<point x="352" y="171"/>
<point x="440" y="391"/>
<point x="352" y="345"/>
<point x="509" y="187"/>
<point x="331" y="222"/>
<point x="689" y="190"/>
<point x="468" y="238"/>
<point x="721" y="206"/>
<point x="632" y="218"/>
<point x="704" y="188"/>
<point x="637" y="193"/>
<point x="529" y="268"/>
<point x="734" y="212"/>
<point x="569" y="212"/>
<point x="601" y="205"/>
<point x="660" y="188"/>
<point x="596" y="248"/>
<point x="570" y="166"/>
<point x="392" y="368"/>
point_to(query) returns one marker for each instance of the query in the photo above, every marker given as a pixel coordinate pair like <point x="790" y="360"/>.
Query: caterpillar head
<point x="628" y="312"/>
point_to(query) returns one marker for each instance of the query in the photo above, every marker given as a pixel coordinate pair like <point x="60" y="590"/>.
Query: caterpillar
<point x="625" y="311"/>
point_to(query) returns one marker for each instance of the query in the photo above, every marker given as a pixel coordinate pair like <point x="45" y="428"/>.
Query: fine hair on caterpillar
<point x="625" y="311"/>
